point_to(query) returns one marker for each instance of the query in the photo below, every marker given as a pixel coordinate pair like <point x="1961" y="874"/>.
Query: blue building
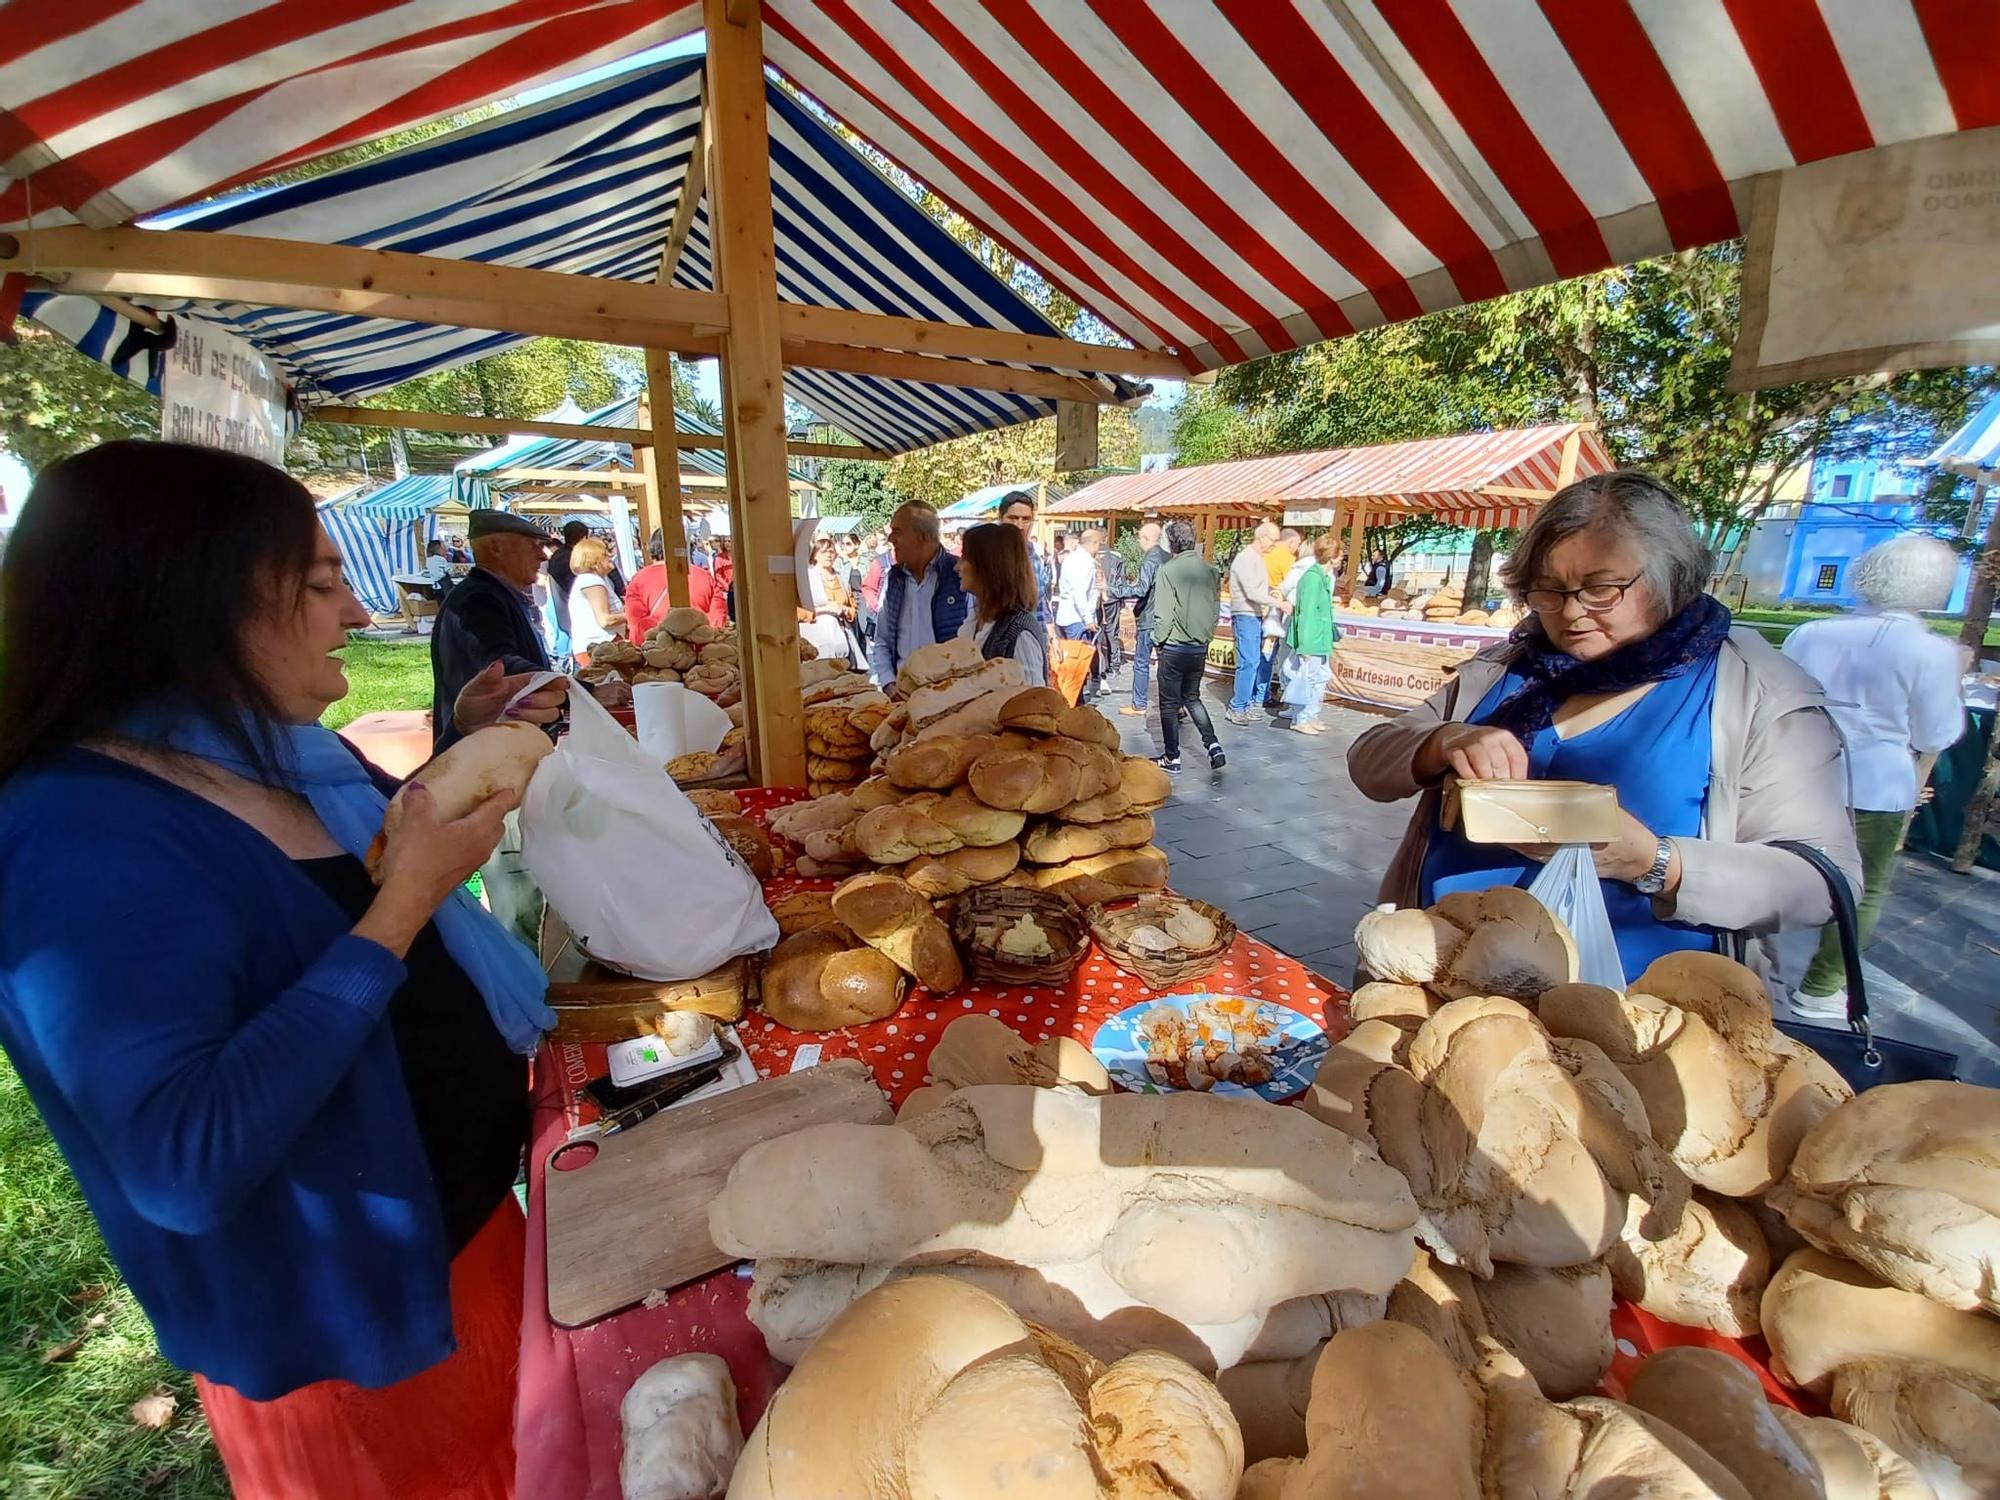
<point x="1804" y="554"/>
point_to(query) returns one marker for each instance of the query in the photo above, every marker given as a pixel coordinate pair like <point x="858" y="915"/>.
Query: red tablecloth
<point x="566" y="1424"/>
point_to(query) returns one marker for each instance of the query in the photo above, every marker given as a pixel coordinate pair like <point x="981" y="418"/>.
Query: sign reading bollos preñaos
<point x="217" y="390"/>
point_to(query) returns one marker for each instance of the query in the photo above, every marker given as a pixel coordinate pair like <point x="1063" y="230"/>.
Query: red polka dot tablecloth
<point x="567" y="1437"/>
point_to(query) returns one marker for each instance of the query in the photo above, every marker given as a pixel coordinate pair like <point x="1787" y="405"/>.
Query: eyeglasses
<point x="1597" y="598"/>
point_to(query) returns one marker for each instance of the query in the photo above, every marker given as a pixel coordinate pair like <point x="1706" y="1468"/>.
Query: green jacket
<point x="1186" y="592"/>
<point x="1312" y="631"/>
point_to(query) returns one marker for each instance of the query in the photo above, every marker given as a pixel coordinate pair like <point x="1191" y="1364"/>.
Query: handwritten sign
<point x="218" y="391"/>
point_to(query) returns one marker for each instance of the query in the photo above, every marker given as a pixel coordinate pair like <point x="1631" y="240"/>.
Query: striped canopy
<point x="402" y="499"/>
<point x="1454" y="478"/>
<point x="1974" y="449"/>
<point x="1224" y="177"/>
<point x="376" y="545"/>
<point x="472" y="480"/>
<point x="588" y="182"/>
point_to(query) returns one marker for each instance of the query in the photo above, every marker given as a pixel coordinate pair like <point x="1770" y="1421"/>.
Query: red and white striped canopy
<point x="1455" y="478"/>
<point x="1224" y="177"/>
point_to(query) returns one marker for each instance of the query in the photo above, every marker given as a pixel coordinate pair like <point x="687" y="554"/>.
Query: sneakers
<point x="1242" y="718"/>
<point x="1820" y="1007"/>
<point x="1132" y="712"/>
<point x="1216" y="759"/>
<point x="1171" y="764"/>
<point x="1308" y="729"/>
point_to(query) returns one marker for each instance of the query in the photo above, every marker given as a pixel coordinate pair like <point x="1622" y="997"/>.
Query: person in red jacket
<point x="646" y="599"/>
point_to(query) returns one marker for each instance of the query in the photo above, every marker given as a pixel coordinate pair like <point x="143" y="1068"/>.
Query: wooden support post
<point x="666" y="487"/>
<point x="1357" y="532"/>
<point x="1572" y="449"/>
<point x="753" y="397"/>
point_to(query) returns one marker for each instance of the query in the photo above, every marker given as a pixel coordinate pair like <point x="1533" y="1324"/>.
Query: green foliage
<point x="55" y="401"/>
<point x="1643" y="350"/>
<point x="65" y="1428"/>
<point x="856" y="487"/>
<point x="382" y="676"/>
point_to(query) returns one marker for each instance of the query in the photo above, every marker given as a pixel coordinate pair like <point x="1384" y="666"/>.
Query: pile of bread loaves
<point x="1403" y="1288"/>
<point x="682" y="648"/>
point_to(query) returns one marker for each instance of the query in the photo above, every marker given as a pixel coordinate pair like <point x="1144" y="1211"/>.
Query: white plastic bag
<point x="643" y="880"/>
<point x="1568" y="887"/>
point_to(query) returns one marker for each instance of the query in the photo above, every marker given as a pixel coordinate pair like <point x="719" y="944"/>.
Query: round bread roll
<point x="1718" y="1401"/>
<point x="1106" y="877"/>
<point x="888" y="914"/>
<point x="683" y="621"/>
<point x="1142" y="786"/>
<point x="1853" y="1464"/>
<point x="798" y="910"/>
<point x="936" y="876"/>
<point x="1822" y="1314"/>
<point x="1097" y="769"/>
<point x="900" y="832"/>
<point x="1905" y="1180"/>
<point x="1023" y="780"/>
<point x="1037" y="710"/>
<point x="1053" y="843"/>
<point x="973" y="821"/>
<point x="710" y="802"/>
<point x="819" y="980"/>
<point x="1089" y="725"/>
<point x="1709" y="1273"/>
<point x="930" y="1389"/>
<point x="500" y="758"/>
<point x="751" y="843"/>
<point x="1557" y="1322"/>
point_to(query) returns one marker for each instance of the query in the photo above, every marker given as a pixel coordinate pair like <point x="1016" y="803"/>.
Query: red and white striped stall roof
<point x="1221" y="177"/>
<point x="1453" y="477"/>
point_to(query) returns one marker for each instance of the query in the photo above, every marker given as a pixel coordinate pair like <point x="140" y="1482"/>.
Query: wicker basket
<point x="982" y="914"/>
<point x="1113" y="928"/>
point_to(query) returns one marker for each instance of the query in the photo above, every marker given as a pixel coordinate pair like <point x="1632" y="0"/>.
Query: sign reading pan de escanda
<point x="218" y="391"/>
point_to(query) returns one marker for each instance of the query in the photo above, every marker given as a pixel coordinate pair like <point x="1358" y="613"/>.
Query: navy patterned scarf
<point x="1685" y="642"/>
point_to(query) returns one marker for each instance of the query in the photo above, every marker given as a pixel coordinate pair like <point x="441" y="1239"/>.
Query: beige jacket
<point x="1776" y="772"/>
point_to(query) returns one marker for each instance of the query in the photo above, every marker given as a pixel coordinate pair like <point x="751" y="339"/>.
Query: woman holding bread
<point x="293" y="1095"/>
<point x="996" y="570"/>
<point x="1627" y="673"/>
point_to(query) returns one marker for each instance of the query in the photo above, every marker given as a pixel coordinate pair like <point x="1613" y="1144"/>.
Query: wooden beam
<point x="941" y="371"/>
<point x="1514" y="492"/>
<point x="367" y="283"/>
<point x="608" y="478"/>
<point x="430" y="421"/>
<point x="637" y="437"/>
<point x="1357" y="532"/>
<point x="1572" y="449"/>
<point x="753" y="393"/>
<point x="692" y="187"/>
<point x="666" y="486"/>
<point x="833" y="325"/>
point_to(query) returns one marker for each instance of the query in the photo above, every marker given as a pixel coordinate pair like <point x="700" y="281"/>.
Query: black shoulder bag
<point x="1856" y="1053"/>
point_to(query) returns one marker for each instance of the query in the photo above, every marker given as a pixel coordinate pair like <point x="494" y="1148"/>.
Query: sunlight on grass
<point x="383" y="675"/>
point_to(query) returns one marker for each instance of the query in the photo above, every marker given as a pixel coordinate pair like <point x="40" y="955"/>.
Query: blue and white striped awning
<point x="587" y="183"/>
<point x="375" y="547"/>
<point x="402" y="500"/>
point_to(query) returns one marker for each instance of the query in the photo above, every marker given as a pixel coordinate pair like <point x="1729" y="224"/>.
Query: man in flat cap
<point x="489" y="616"/>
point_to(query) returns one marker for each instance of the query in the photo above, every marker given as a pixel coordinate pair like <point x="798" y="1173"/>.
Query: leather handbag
<point x="1856" y="1052"/>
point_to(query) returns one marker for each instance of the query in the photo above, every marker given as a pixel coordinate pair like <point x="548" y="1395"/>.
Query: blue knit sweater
<point x="208" y="1043"/>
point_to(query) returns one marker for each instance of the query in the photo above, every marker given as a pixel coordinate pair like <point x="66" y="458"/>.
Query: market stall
<point x="1397" y="650"/>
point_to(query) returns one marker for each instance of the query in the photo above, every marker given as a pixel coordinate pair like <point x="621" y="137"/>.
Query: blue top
<point x="949" y="606"/>
<point x="1656" y="753"/>
<point x="207" y="1041"/>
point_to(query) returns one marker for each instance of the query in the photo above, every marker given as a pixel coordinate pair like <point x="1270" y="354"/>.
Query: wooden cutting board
<point x="635" y="1217"/>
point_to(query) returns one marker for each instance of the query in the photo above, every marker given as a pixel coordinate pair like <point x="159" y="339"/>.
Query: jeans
<point x="1109" y="619"/>
<point x="1311" y="712"/>
<point x="1142" y="663"/>
<point x="1249" y="633"/>
<point x="1272" y="675"/>
<point x="1181" y="669"/>
<point x="1878" y="834"/>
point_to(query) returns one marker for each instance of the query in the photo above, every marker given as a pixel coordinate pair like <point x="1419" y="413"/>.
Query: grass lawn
<point x="1776" y="624"/>
<point x="66" y="1432"/>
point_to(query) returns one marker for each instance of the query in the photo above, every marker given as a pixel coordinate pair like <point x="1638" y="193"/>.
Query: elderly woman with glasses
<point x="1627" y="673"/>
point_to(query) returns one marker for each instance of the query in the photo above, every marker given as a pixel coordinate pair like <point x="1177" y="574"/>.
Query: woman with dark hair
<point x="1626" y="673"/>
<point x="1006" y="621"/>
<point x="294" y="1097"/>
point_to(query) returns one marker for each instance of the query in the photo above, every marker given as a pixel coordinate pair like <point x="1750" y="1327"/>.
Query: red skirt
<point x="446" y="1433"/>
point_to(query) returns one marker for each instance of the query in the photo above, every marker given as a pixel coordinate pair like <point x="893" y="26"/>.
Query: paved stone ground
<point x="1282" y="841"/>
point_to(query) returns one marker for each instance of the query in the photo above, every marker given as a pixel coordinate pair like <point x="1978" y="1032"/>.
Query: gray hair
<point x="1180" y="536"/>
<point x="1633" y="505"/>
<point x="1907" y="572"/>
<point x="923" y="518"/>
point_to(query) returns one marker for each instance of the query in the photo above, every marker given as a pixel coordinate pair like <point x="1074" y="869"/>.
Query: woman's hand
<point x="1626" y="857"/>
<point x="1476" y="752"/>
<point x="426" y="859"/>
<point x="483" y="700"/>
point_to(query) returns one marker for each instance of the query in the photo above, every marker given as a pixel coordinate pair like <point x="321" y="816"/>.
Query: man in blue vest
<point x="922" y="599"/>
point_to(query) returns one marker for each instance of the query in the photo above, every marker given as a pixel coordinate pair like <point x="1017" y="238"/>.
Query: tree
<point x="1024" y="453"/>
<point x="857" y="487"/>
<point x="55" y="401"/>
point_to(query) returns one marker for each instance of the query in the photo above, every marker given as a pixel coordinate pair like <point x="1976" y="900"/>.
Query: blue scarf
<point x="316" y="764"/>
<point x="1552" y="677"/>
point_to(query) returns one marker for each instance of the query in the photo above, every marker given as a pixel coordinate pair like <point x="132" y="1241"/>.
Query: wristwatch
<point x="1655" y="879"/>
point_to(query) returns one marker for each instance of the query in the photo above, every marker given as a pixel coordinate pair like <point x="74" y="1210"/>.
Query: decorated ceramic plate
<point x="1224" y="1044"/>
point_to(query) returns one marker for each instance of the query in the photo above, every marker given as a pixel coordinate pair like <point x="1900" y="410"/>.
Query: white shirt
<point x="439" y="568"/>
<point x="1027" y="650"/>
<point x="584" y="631"/>
<point x="1892" y="686"/>
<point x="1077" y="589"/>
